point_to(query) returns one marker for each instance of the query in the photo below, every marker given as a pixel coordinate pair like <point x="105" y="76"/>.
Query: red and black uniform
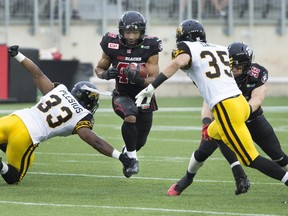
<point x="260" y="129"/>
<point x="124" y="93"/>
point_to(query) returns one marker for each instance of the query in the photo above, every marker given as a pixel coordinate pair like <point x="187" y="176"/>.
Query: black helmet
<point x="132" y="20"/>
<point x="86" y="98"/>
<point x="240" y="54"/>
<point x="190" y="30"/>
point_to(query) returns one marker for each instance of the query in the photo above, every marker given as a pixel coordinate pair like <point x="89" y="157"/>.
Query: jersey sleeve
<point x="87" y="122"/>
<point x="108" y="38"/>
<point x="155" y="44"/>
<point x="181" y="48"/>
<point x="260" y="73"/>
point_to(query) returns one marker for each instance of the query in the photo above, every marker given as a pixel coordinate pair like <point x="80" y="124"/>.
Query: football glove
<point x="205" y="135"/>
<point x="148" y="93"/>
<point x="134" y="75"/>
<point x="111" y="73"/>
<point x="13" y="50"/>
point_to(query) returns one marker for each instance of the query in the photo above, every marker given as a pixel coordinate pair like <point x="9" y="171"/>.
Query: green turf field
<point x="68" y="177"/>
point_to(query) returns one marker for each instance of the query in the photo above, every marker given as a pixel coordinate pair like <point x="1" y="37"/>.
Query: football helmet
<point x="132" y="20"/>
<point x="190" y="30"/>
<point x="240" y="54"/>
<point x="87" y="99"/>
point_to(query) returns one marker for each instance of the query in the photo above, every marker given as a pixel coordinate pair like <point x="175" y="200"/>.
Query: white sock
<point x="285" y="168"/>
<point x="194" y="165"/>
<point x="4" y="169"/>
<point x="234" y="164"/>
<point x="285" y="178"/>
<point x="132" y="154"/>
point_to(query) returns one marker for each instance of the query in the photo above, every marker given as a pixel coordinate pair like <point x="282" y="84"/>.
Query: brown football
<point x="143" y="70"/>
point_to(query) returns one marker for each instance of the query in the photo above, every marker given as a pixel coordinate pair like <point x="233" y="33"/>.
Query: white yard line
<point x="5" y="202"/>
<point x="181" y="109"/>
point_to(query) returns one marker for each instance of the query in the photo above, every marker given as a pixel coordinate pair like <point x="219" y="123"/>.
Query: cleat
<point x="242" y="185"/>
<point x="131" y="169"/>
<point x="172" y="191"/>
<point x="177" y="188"/>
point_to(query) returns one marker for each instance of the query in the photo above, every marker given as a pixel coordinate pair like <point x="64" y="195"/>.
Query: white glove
<point x="148" y="93"/>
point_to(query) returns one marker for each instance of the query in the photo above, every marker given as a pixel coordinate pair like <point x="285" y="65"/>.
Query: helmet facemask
<point x="88" y="99"/>
<point x="240" y="55"/>
<point x="132" y="21"/>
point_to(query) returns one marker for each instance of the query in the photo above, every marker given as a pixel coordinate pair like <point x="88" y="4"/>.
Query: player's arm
<point x="90" y="137"/>
<point x="102" y="69"/>
<point x="181" y="61"/>
<point x="152" y="66"/>
<point x="257" y="97"/>
<point x="43" y="83"/>
<point x="102" y="146"/>
<point x="207" y="117"/>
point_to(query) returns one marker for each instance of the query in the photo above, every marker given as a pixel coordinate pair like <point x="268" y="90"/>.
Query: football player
<point x="207" y="65"/>
<point x="58" y="113"/>
<point x="251" y="78"/>
<point x="130" y="45"/>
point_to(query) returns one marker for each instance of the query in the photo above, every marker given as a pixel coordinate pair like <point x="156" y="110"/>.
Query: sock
<point x="268" y="168"/>
<point x="194" y="165"/>
<point x="4" y="168"/>
<point x="285" y="179"/>
<point x="129" y="134"/>
<point x="132" y="154"/>
<point x="237" y="170"/>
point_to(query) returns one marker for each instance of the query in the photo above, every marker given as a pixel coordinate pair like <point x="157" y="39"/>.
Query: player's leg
<point x="231" y="115"/>
<point x="241" y="179"/>
<point x="144" y="124"/>
<point x="19" y="152"/>
<point x="127" y="110"/>
<point x="263" y="135"/>
<point x="198" y="157"/>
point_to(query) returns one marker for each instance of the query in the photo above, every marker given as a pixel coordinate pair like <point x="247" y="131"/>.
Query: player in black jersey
<point x="130" y="45"/>
<point x="251" y="79"/>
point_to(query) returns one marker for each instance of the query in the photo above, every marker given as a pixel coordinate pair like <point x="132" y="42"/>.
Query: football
<point x="143" y="70"/>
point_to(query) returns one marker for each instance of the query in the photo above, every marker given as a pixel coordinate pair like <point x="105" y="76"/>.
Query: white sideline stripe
<point x="142" y="178"/>
<point x="181" y="109"/>
<point x="130" y="208"/>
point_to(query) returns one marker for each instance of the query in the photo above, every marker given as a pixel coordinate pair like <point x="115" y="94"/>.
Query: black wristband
<point x="159" y="80"/>
<point x="206" y="120"/>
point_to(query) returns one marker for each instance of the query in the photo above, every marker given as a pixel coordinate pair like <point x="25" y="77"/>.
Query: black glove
<point x="13" y="50"/>
<point x="125" y="159"/>
<point x="134" y="76"/>
<point x="111" y="73"/>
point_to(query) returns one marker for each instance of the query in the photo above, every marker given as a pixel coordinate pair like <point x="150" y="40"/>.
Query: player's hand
<point x="148" y="93"/>
<point x="205" y="135"/>
<point x="134" y="76"/>
<point x="125" y="160"/>
<point x="111" y="73"/>
<point x="13" y="50"/>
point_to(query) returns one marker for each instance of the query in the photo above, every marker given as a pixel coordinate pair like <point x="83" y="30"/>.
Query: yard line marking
<point x="142" y="178"/>
<point x="276" y="109"/>
<point x="132" y="208"/>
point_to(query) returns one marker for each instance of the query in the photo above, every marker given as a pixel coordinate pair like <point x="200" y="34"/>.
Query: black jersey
<point x="121" y="56"/>
<point x="256" y="76"/>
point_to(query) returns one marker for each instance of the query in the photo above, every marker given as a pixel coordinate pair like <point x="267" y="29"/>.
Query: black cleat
<point x="131" y="169"/>
<point x="242" y="185"/>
